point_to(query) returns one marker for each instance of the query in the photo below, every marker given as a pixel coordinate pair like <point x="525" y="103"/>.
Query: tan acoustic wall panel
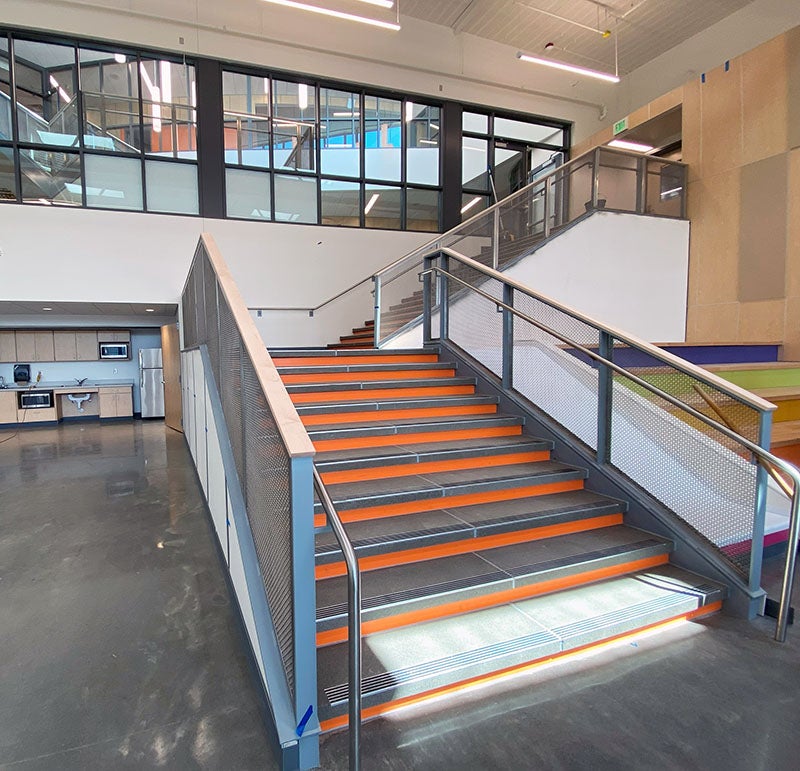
<point x="793" y="85"/>
<point x="762" y="230"/>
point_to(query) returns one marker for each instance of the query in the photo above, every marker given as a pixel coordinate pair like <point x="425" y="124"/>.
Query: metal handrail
<point x="760" y="453"/>
<point x="353" y="620"/>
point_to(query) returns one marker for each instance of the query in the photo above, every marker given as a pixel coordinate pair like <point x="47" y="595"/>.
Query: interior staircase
<point x="481" y="554"/>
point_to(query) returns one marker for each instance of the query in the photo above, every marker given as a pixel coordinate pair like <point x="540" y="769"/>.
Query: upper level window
<point x="293" y="125"/>
<point x="423" y="124"/>
<point x="383" y="138"/>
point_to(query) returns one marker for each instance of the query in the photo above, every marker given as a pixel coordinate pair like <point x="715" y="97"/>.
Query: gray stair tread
<point x="443" y="525"/>
<point x="415" y="659"/>
<point x="451" y="445"/>
<point x="395" y="403"/>
<point x="414" y="426"/>
<point x="393" y="456"/>
<point x="369" y="385"/>
<point x="327" y="369"/>
<point x="393" y="490"/>
<point x="285" y="353"/>
<point x="402" y="422"/>
<point x="406" y="587"/>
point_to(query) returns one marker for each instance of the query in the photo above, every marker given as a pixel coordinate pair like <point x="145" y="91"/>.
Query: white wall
<point x="82" y="255"/>
<point x="628" y="271"/>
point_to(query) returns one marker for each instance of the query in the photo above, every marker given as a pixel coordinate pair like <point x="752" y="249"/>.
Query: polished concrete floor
<point x="119" y="648"/>
<point x="118" y="644"/>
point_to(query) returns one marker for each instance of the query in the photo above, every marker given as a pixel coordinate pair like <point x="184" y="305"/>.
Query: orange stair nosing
<point x="330" y="418"/>
<point x="368" y="394"/>
<point x="432" y="467"/>
<point x="333" y="636"/>
<point x="357" y="377"/>
<point x="425" y="553"/>
<point x="388" y="440"/>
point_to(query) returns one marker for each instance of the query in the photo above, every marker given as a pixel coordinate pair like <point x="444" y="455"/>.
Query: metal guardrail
<point x="353" y="620"/>
<point x="764" y="456"/>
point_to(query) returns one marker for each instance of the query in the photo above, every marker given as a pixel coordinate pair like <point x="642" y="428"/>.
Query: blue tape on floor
<point x="301" y="726"/>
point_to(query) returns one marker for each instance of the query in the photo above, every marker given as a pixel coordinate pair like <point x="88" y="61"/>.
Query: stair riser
<point x="380" y="416"/>
<point x="366" y="442"/>
<point x="372" y="711"/>
<point x="457" y="607"/>
<point x="379" y="393"/>
<point x="424" y="553"/>
<point x="411" y="469"/>
<point x="360" y="377"/>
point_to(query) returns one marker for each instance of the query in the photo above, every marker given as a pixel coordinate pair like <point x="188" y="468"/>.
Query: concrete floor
<point x="119" y="649"/>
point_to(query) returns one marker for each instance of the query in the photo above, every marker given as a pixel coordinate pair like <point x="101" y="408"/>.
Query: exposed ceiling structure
<point x="641" y="30"/>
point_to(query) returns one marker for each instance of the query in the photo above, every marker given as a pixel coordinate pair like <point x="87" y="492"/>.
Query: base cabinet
<point x="116" y="402"/>
<point x="8" y="407"/>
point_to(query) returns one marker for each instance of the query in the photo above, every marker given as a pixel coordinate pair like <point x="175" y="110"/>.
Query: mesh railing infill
<point x="260" y="455"/>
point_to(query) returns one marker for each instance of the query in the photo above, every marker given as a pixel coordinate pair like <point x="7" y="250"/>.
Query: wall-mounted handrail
<point x="353" y="620"/>
<point x="763" y="455"/>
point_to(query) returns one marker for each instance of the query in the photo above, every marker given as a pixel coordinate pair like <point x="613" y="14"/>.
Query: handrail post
<point x="605" y="386"/>
<point x="788" y="573"/>
<point x="548" y="195"/>
<point x="760" y="509"/>
<point x="444" y="300"/>
<point x="426" y="300"/>
<point x="508" y="338"/>
<point x="641" y="185"/>
<point x="496" y="238"/>
<point x="596" y="178"/>
<point x="376" y="310"/>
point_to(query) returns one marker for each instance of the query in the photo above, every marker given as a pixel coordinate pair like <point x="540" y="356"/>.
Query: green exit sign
<point x="620" y="126"/>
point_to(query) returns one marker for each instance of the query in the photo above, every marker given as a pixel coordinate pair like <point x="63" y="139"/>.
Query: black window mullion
<point x="14" y="126"/>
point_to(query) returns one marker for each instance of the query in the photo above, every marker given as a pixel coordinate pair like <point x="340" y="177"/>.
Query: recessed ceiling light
<point x="372" y="201"/>
<point x="637" y="147"/>
<point x="150" y="310"/>
<point x="47" y="308"/>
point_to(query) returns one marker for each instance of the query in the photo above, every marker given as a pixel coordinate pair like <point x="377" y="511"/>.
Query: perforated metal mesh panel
<point x="269" y="509"/>
<point x="260" y="456"/>
<point x="401" y="300"/>
<point x="475" y="324"/>
<point x="547" y="371"/>
<point x="694" y="473"/>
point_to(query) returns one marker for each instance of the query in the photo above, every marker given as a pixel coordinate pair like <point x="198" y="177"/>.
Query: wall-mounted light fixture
<point x="607" y="76"/>
<point x="340" y="14"/>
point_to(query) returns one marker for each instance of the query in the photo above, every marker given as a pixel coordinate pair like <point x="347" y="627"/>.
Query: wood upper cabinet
<point x="8" y="346"/>
<point x="45" y="348"/>
<point x="64" y="343"/>
<point x="86" y="346"/>
<point x="113" y="336"/>
<point x="26" y="347"/>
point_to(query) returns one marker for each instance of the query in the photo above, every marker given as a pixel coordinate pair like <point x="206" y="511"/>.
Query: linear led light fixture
<point x="468" y="206"/>
<point x="607" y="76"/>
<point x="346" y="114"/>
<point x="336" y="14"/>
<point x="636" y="147"/>
<point x="381" y="3"/>
<point x="372" y="201"/>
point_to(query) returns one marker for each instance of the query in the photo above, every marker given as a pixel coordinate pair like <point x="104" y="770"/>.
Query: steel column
<point x="376" y="309"/>
<point x="508" y="338"/>
<point x="605" y="385"/>
<point x="759" y="513"/>
<point x="426" y="300"/>
<point x="444" y="300"/>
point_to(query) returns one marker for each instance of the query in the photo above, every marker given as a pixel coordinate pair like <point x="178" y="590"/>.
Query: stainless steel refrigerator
<point x="151" y="382"/>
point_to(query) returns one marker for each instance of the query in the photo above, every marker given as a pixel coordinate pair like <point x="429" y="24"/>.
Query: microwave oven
<point x="115" y="351"/>
<point x="35" y="400"/>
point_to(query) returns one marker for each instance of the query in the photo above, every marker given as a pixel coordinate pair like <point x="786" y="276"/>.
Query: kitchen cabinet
<point x="116" y="402"/>
<point x="86" y="346"/>
<point x="26" y="347"/>
<point x="43" y="415"/>
<point x="8" y="346"/>
<point x="113" y="336"/>
<point x="64" y="343"/>
<point x="45" y="349"/>
<point x="8" y="407"/>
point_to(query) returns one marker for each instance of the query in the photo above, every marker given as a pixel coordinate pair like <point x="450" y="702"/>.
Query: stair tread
<point x="417" y="485"/>
<point x="454" y="448"/>
<point x="449" y="523"/>
<point x="403" y="424"/>
<point x="395" y="403"/>
<point x="415" y="659"/>
<point x="368" y="385"/>
<point x="481" y="572"/>
<point x="323" y="369"/>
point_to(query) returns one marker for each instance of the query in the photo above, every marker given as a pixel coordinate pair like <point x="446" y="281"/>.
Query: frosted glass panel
<point x="171" y="187"/>
<point x="113" y="183"/>
<point x="295" y="199"/>
<point x="247" y="194"/>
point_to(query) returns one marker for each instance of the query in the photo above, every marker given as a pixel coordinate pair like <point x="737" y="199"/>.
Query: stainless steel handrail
<point x="766" y="456"/>
<point x="436" y="242"/>
<point x="353" y="620"/>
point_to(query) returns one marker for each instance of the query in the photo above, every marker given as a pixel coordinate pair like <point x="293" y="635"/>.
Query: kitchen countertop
<point x="64" y="386"/>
